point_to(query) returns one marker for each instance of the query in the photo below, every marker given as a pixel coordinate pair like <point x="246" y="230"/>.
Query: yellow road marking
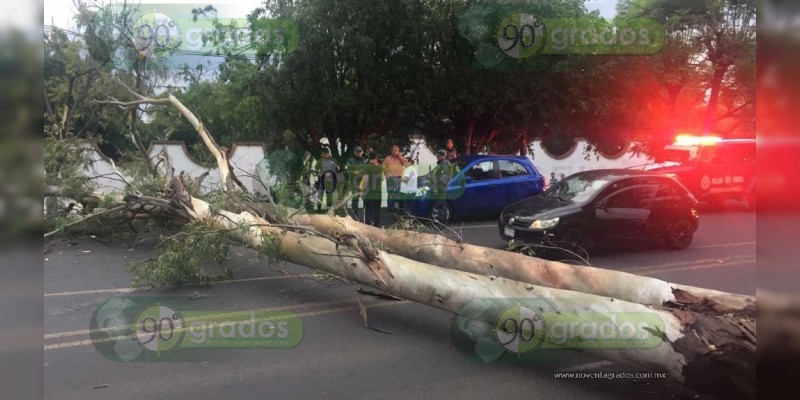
<point x="87" y="342"/>
<point x="129" y="290"/>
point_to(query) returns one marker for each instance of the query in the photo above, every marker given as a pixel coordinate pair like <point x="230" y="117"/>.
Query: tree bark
<point x="707" y="341"/>
<point x="470" y="132"/>
<point x="720" y="58"/>
<point x="701" y="348"/>
<point x="713" y="99"/>
<point x="447" y="253"/>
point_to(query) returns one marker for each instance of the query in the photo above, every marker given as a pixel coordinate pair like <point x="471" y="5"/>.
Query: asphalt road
<point x="338" y="357"/>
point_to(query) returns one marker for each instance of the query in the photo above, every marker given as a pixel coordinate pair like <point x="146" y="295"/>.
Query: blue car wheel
<point x="441" y="212"/>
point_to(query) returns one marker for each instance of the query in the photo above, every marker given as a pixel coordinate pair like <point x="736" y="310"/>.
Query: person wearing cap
<point x="355" y="169"/>
<point x="443" y="171"/>
<point x="441" y="157"/>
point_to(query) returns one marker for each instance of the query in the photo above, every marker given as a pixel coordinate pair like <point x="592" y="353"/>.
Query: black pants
<point x="394" y="198"/>
<point x="322" y="190"/>
<point x="407" y="204"/>
<point x="354" y="208"/>
<point x="372" y="211"/>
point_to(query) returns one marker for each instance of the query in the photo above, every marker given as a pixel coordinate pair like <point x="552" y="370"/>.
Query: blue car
<point x="479" y="184"/>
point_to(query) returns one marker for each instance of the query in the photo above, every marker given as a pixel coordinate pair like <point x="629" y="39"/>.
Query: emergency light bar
<point x="690" y="140"/>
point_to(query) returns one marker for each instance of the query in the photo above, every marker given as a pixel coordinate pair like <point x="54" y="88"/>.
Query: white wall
<point x="571" y="164"/>
<point x="246" y="157"/>
<point x="576" y="162"/>
<point x="243" y="159"/>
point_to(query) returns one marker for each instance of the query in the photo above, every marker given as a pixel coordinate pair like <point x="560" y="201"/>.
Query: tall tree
<point x="114" y="44"/>
<point x="355" y="74"/>
<point x="710" y="56"/>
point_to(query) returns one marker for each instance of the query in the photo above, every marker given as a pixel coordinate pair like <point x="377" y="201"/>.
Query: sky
<point x="60" y="12"/>
<point x="607" y="8"/>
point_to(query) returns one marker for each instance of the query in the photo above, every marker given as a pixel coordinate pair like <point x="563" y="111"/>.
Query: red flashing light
<point x="691" y="140"/>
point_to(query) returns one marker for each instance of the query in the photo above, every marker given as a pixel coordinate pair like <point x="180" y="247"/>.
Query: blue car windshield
<point x="576" y="188"/>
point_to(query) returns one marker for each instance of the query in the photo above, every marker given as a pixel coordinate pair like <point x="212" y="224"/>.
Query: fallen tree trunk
<point x="702" y="348"/>
<point x="707" y="338"/>
<point x="447" y="253"/>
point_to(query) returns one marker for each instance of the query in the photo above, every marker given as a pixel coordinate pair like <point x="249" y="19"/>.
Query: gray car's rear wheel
<point x="680" y="234"/>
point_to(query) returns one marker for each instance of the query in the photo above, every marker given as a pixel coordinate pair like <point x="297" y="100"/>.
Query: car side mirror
<point x="602" y="206"/>
<point x="468" y="178"/>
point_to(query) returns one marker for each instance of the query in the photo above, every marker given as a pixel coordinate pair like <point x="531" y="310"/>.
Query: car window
<point x="664" y="189"/>
<point x="732" y="153"/>
<point x="741" y="152"/>
<point x="579" y="188"/>
<point x="511" y="168"/>
<point x="481" y="171"/>
<point x="711" y="154"/>
<point x="676" y="155"/>
<point x="635" y="197"/>
<point x="643" y="196"/>
<point x="621" y="199"/>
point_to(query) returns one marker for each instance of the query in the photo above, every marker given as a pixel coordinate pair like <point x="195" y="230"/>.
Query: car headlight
<point x="542" y="224"/>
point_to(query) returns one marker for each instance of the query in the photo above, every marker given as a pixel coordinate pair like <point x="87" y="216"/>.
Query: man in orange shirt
<point x="393" y="170"/>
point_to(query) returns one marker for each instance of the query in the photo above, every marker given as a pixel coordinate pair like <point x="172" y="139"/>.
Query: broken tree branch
<point x="706" y="351"/>
<point x="439" y="250"/>
<point x="226" y="175"/>
<point x="83" y="220"/>
<point x="699" y="346"/>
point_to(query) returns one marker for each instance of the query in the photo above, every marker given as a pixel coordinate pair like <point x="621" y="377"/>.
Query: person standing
<point x="442" y="173"/>
<point x="355" y="170"/>
<point x="326" y="184"/>
<point x="393" y="170"/>
<point x="441" y="176"/>
<point x="371" y="190"/>
<point x="408" y="185"/>
<point x="553" y="179"/>
<point x="452" y="154"/>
